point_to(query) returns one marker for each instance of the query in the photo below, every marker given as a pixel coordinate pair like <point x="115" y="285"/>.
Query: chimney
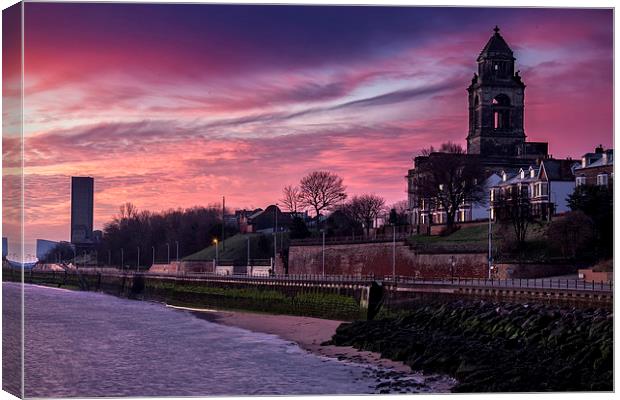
<point x="599" y="149"/>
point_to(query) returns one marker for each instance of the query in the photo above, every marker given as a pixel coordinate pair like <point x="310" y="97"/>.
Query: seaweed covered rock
<point x="496" y="347"/>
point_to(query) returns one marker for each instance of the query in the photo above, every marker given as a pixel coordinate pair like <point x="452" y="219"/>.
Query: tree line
<point x="323" y="191"/>
<point x="188" y="230"/>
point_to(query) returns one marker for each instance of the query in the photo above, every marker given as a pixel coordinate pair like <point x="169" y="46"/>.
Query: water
<point x="85" y="344"/>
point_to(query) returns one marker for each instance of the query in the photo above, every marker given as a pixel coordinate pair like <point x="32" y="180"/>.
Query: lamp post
<point x="248" y="250"/>
<point x="394" y="253"/>
<point x="168" y="251"/>
<point x="138" y="263"/>
<point x="177" y="243"/>
<point x="275" y="238"/>
<point x="490" y="255"/>
<point x="323" y="261"/>
<point x="216" y="251"/>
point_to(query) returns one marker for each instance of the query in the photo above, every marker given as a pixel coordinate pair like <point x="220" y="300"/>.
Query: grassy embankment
<point x="474" y="238"/>
<point x="261" y="299"/>
<point x="235" y="248"/>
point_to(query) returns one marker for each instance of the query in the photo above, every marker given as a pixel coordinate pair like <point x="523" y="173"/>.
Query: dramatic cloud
<point x="176" y="105"/>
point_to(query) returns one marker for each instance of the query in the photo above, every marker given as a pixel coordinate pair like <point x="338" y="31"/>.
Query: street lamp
<point x="275" y="238"/>
<point x="394" y="253"/>
<point x="323" y="262"/>
<point x="168" y="251"/>
<point x="216" y="251"/>
<point x="490" y="255"/>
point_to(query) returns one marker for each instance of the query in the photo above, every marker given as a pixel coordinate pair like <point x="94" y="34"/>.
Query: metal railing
<point x="400" y="236"/>
<point x="515" y="284"/>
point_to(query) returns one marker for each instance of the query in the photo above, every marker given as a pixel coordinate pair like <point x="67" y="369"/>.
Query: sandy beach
<point x="307" y="332"/>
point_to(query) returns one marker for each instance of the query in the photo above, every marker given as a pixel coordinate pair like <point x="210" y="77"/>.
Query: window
<point x="540" y="189"/>
<point x="602" y="179"/>
<point x="580" y="181"/>
<point x="501" y="112"/>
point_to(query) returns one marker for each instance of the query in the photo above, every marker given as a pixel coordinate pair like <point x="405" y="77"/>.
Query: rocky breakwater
<point x="495" y="347"/>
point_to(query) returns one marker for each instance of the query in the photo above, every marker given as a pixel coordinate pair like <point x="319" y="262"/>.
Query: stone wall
<point x="376" y="259"/>
<point x="598" y="276"/>
<point x="532" y="270"/>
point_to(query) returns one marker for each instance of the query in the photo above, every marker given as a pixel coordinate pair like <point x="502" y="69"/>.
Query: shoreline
<point x="307" y="332"/>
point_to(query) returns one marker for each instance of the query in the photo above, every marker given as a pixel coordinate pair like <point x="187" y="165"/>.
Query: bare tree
<point x="447" y="179"/>
<point x="291" y="198"/>
<point x="513" y="206"/>
<point x="321" y="190"/>
<point x="127" y="211"/>
<point x="365" y="209"/>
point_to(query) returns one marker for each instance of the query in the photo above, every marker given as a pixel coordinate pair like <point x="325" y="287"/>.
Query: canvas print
<point x="233" y="199"/>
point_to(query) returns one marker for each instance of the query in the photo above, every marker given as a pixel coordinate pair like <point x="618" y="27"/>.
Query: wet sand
<point x="307" y="332"/>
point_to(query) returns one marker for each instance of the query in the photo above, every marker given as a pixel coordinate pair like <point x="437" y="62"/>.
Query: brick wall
<point x="376" y="259"/>
<point x="597" y="276"/>
<point x="532" y="270"/>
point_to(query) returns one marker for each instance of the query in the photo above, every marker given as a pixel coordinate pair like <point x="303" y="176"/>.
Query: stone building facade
<point x="496" y="136"/>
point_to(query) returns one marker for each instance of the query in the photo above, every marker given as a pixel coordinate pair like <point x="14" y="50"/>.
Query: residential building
<point x="268" y="219"/>
<point x="596" y="168"/>
<point x="547" y="186"/>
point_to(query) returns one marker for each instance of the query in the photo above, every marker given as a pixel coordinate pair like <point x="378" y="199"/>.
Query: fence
<point x="349" y="239"/>
<point x="568" y="284"/>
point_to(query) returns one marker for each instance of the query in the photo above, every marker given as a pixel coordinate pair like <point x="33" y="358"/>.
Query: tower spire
<point x="496" y="30"/>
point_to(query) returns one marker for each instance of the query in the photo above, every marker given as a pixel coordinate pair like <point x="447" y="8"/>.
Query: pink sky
<point x="175" y="106"/>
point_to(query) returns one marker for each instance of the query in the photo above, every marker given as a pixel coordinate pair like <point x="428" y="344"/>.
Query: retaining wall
<point x="532" y="270"/>
<point x="376" y="259"/>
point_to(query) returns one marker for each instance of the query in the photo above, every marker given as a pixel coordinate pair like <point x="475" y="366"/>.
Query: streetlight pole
<point x="216" y="252"/>
<point x="177" y="243"/>
<point x="138" y="263"/>
<point x="490" y="255"/>
<point x="394" y="253"/>
<point x="323" y="262"/>
<point x="168" y="251"/>
<point x="248" y="250"/>
<point x="275" y="238"/>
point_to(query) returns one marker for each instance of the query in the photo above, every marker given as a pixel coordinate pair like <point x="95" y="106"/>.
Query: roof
<point x="555" y="170"/>
<point x="496" y="47"/>
<point x="559" y="170"/>
<point x="601" y="159"/>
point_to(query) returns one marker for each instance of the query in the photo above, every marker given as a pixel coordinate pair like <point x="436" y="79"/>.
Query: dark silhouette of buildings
<point x="496" y="137"/>
<point x="82" y="191"/>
